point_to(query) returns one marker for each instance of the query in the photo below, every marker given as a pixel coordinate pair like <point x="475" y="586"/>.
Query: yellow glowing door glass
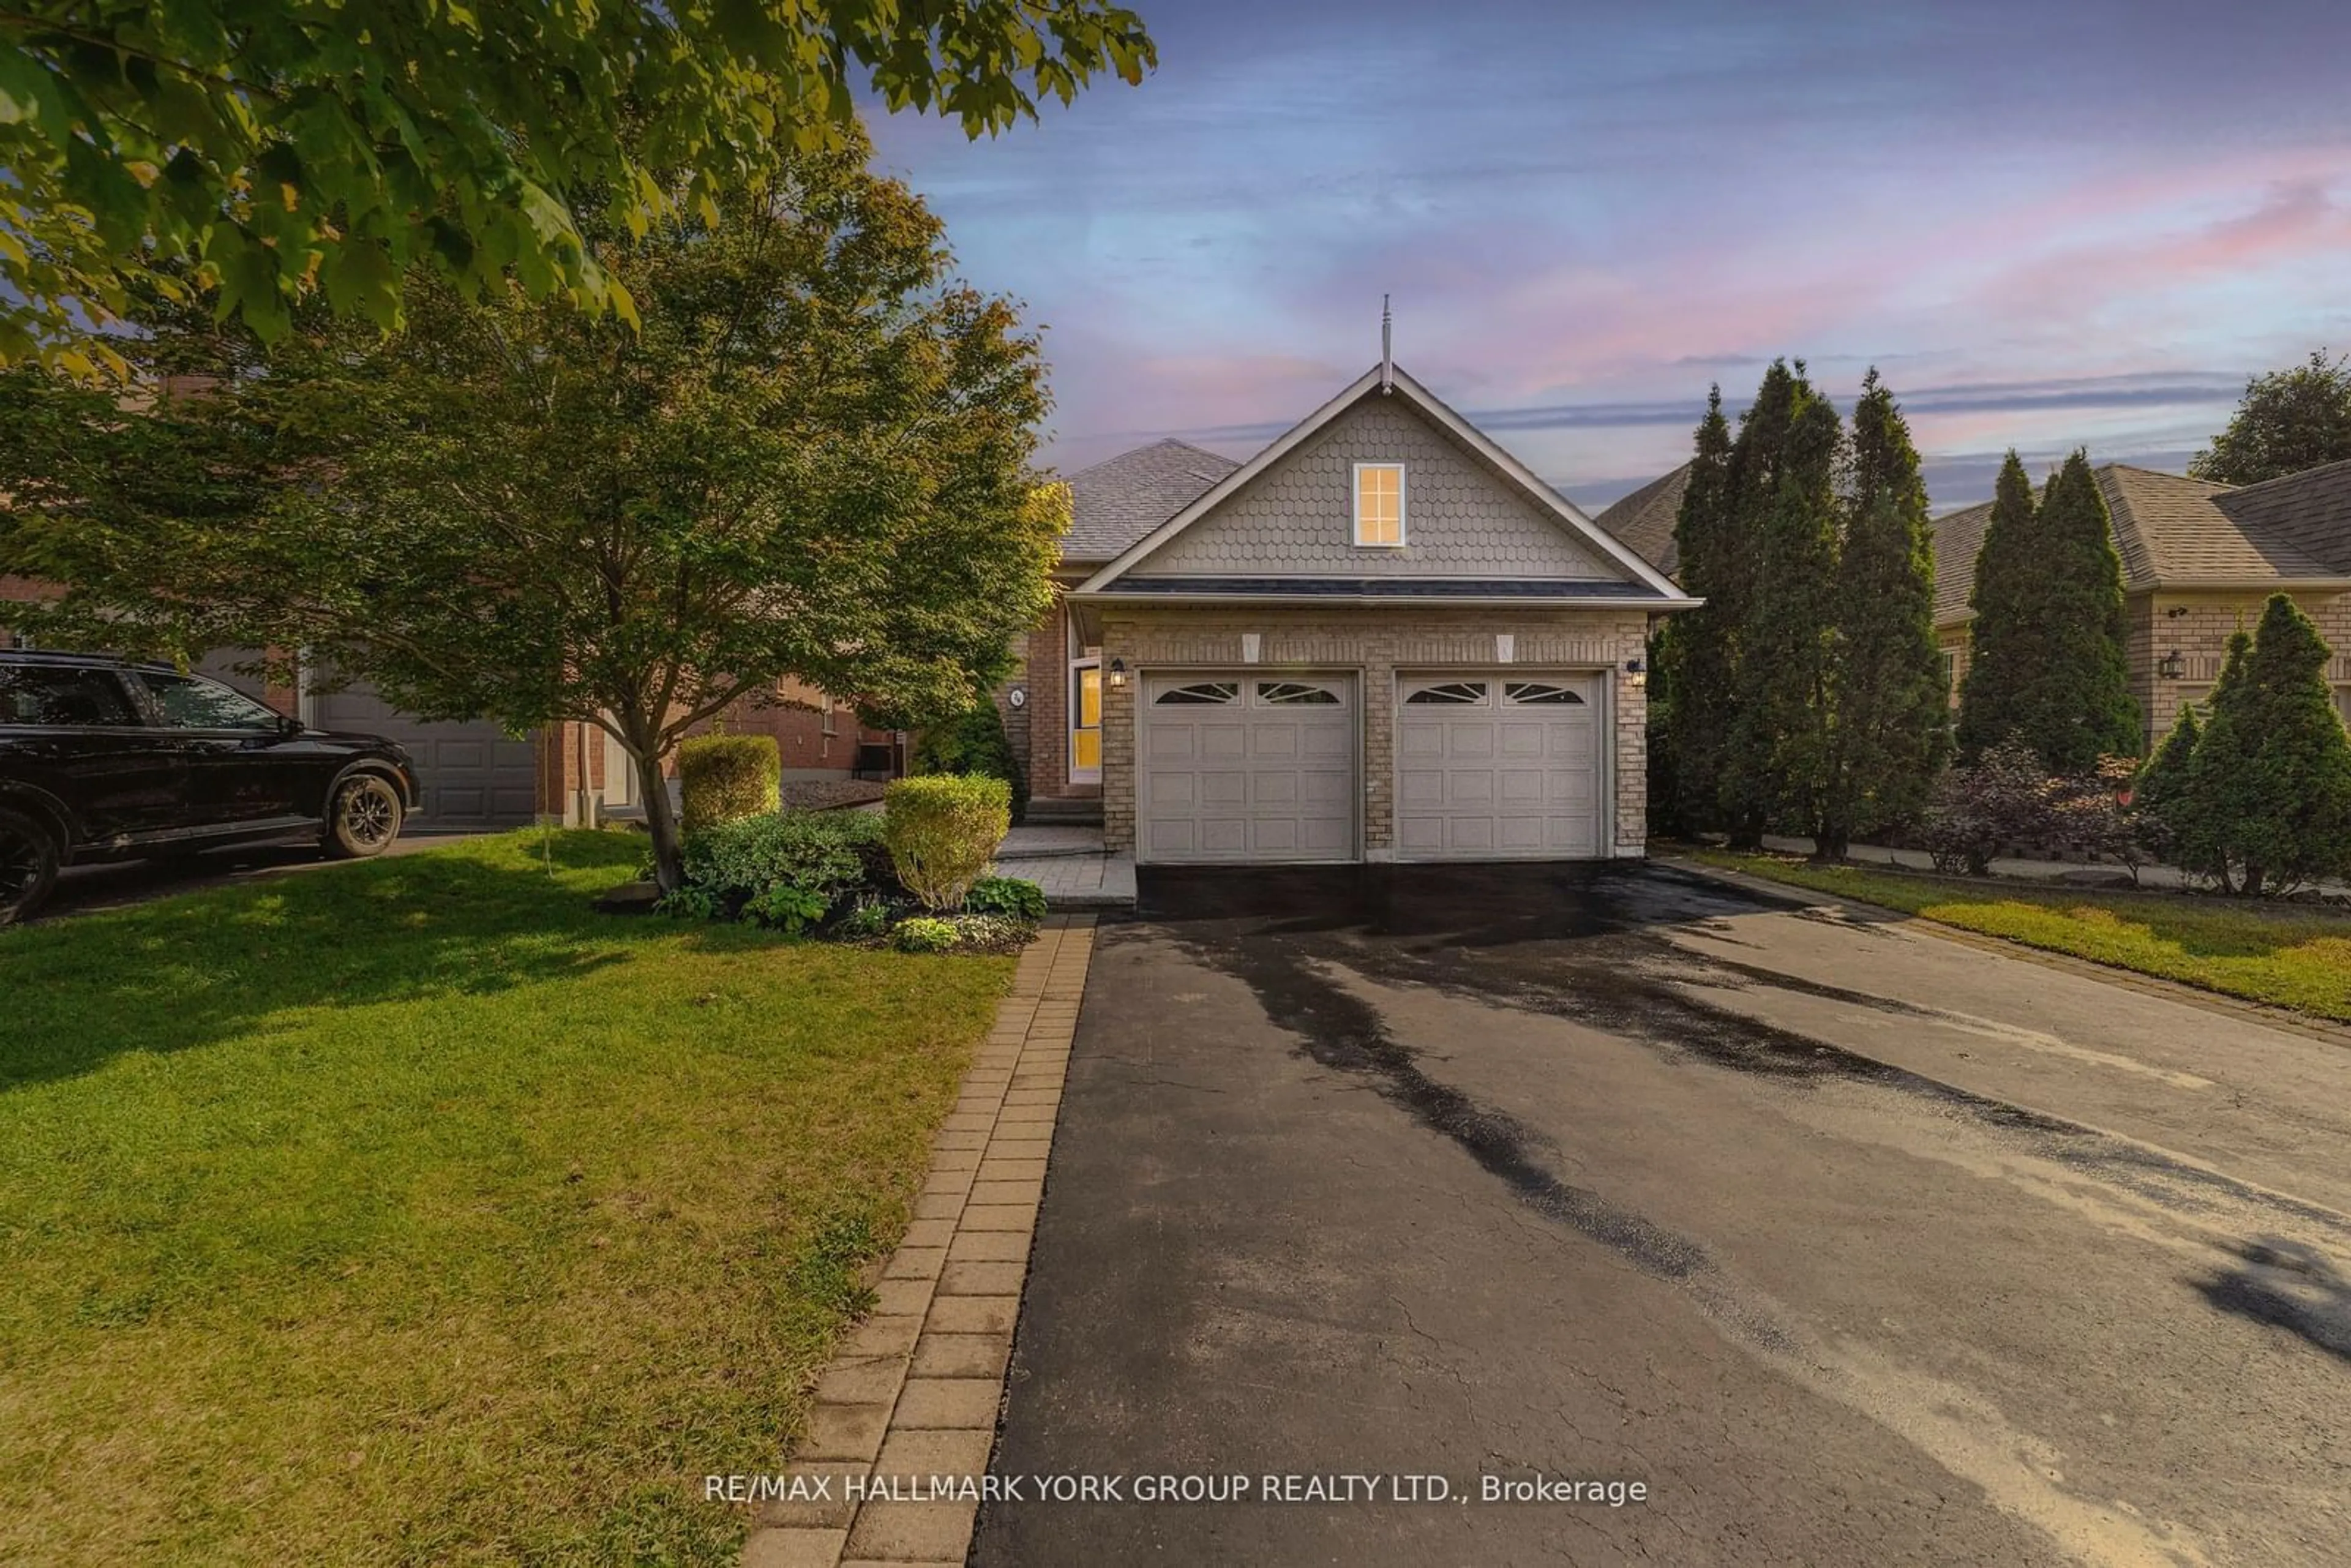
<point x="1085" y="735"/>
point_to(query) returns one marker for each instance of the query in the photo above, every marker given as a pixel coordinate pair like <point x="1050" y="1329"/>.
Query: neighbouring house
<point x="2199" y="560"/>
<point x="1381" y="638"/>
<point x="475" y="775"/>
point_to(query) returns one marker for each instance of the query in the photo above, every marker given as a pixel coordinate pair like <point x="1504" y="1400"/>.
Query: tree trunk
<point x="2251" y="883"/>
<point x="1831" y="841"/>
<point x="669" y="859"/>
<point x="1746" y="833"/>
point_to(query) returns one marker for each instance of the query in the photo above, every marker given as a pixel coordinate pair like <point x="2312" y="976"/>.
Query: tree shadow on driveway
<point x="2288" y="1285"/>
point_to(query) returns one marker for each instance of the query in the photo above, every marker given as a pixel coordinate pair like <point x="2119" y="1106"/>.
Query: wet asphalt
<point x="1850" y="1244"/>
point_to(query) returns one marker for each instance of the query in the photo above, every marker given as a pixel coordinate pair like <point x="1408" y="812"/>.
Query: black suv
<point x="101" y="759"/>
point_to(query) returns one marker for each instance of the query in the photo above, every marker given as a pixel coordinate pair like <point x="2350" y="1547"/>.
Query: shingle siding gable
<point x="1461" y="518"/>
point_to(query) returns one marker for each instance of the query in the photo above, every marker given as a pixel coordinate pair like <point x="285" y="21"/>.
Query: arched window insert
<point x="1199" y="694"/>
<point x="1450" y="692"/>
<point x="1296" y="692"/>
<point x="1531" y="693"/>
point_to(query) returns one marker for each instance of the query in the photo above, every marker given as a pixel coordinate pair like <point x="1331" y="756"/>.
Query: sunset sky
<point x="2047" y="224"/>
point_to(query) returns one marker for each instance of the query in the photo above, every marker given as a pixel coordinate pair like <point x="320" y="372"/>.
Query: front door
<point x="1085" y="722"/>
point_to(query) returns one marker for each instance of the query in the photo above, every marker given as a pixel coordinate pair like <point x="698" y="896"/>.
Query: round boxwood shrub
<point x="943" y="830"/>
<point x="725" y="777"/>
<point x="973" y="743"/>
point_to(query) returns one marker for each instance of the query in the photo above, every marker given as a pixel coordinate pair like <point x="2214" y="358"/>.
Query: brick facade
<point x="2196" y="624"/>
<point x="1375" y="644"/>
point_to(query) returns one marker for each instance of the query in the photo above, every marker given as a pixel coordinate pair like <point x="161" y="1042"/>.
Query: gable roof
<point x="2311" y="511"/>
<point x="1122" y="499"/>
<point x="1645" y="519"/>
<point x="2176" y="532"/>
<point x="1392" y="381"/>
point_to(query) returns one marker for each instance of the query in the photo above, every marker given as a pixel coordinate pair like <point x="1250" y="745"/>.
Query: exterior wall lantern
<point x="1640" y="677"/>
<point x="2171" y="666"/>
<point x="1118" y="672"/>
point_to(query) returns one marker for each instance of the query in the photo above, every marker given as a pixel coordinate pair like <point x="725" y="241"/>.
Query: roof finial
<point x="1387" y="355"/>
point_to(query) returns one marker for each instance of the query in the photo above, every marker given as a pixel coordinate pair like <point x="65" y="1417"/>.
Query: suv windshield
<point x="63" y="694"/>
<point x="191" y="702"/>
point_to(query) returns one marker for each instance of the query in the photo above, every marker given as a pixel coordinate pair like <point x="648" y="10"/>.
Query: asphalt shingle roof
<point x="2310" y="511"/>
<point x="2178" y="532"/>
<point x="1119" y="500"/>
<point x="1645" y="519"/>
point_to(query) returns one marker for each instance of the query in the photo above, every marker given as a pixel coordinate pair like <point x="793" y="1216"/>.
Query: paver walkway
<point x="1071" y="865"/>
<point x="914" y="1392"/>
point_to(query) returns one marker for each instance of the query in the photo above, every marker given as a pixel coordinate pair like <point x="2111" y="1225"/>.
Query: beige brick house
<point x="1381" y="638"/>
<point x="2199" y="560"/>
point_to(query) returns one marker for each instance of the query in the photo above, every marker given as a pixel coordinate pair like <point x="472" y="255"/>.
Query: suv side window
<point x="191" y="702"/>
<point x="64" y="694"/>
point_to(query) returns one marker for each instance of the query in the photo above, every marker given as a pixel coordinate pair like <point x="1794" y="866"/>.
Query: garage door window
<point x="1541" y="694"/>
<point x="1201" y="693"/>
<point x="1284" y="693"/>
<point x="1455" y="693"/>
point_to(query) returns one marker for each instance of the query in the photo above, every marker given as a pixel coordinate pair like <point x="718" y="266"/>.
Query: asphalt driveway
<point x="1850" y="1244"/>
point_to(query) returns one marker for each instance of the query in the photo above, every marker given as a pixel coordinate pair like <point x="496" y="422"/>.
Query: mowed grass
<point x="413" y="1213"/>
<point x="2290" y="957"/>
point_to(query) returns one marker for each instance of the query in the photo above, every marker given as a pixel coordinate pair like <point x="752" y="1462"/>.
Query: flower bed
<point x="833" y="876"/>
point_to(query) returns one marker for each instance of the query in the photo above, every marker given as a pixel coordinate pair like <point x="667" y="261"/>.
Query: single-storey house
<point x="2198" y="561"/>
<point x="1381" y="638"/>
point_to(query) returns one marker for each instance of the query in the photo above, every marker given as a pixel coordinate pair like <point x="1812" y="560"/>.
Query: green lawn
<point x="2290" y="956"/>
<point x="412" y="1213"/>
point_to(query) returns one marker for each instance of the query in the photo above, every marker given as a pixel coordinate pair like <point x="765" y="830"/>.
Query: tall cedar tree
<point x="2298" y="827"/>
<point x="2288" y="420"/>
<point x="812" y="460"/>
<point x="2048" y="663"/>
<point x="2005" y="644"/>
<point x="2220" y="793"/>
<point x="1696" y="649"/>
<point x="1890" y="722"/>
<point x="2159" y="792"/>
<point x="1783" y="471"/>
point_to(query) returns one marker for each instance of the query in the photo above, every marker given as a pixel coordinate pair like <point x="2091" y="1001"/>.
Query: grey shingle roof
<point x="2310" y="511"/>
<point x="1117" y="501"/>
<point x="2175" y="532"/>
<point x="1645" y="519"/>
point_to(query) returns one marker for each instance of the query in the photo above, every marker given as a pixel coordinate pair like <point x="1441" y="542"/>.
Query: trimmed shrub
<point x="1012" y="896"/>
<point x="924" y="934"/>
<point x="973" y="743"/>
<point x="942" y="830"/>
<point x="726" y="777"/>
<point x="731" y="864"/>
<point x="2003" y="800"/>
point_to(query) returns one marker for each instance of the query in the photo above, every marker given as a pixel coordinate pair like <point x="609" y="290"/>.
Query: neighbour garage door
<point x="1248" y="768"/>
<point x="1492" y="766"/>
<point x="471" y="774"/>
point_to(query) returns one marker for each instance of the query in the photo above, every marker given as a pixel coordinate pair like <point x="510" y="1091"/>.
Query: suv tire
<point x="364" y="817"/>
<point x="29" y="857"/>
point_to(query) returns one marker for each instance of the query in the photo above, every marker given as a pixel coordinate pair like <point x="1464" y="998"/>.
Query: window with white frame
<point x="1379" y="505"/>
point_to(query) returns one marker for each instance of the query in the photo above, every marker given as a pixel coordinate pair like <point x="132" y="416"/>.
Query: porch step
<point x="1051" y="811"/>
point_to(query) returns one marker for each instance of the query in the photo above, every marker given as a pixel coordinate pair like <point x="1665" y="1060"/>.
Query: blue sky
<point x="2070" y="222"/>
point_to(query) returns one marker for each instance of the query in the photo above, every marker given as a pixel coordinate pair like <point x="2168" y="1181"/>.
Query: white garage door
<point x="1246" y="767"/>
<point x="471" y="774"/>
<point x="1493" y="766"/>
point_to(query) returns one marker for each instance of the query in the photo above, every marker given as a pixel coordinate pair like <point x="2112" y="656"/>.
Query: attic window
<point x="1379" y="505"/>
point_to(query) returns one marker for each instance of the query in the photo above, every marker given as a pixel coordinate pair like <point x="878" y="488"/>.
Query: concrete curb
<point x="915" y="1389"/>
<point x="2283" y="1019"/>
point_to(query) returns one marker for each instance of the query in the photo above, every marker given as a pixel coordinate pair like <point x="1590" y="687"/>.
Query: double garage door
<point x="1241" y="767"/>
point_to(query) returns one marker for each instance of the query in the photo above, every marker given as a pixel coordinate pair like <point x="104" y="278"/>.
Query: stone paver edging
<point x="916" y="1388"/>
